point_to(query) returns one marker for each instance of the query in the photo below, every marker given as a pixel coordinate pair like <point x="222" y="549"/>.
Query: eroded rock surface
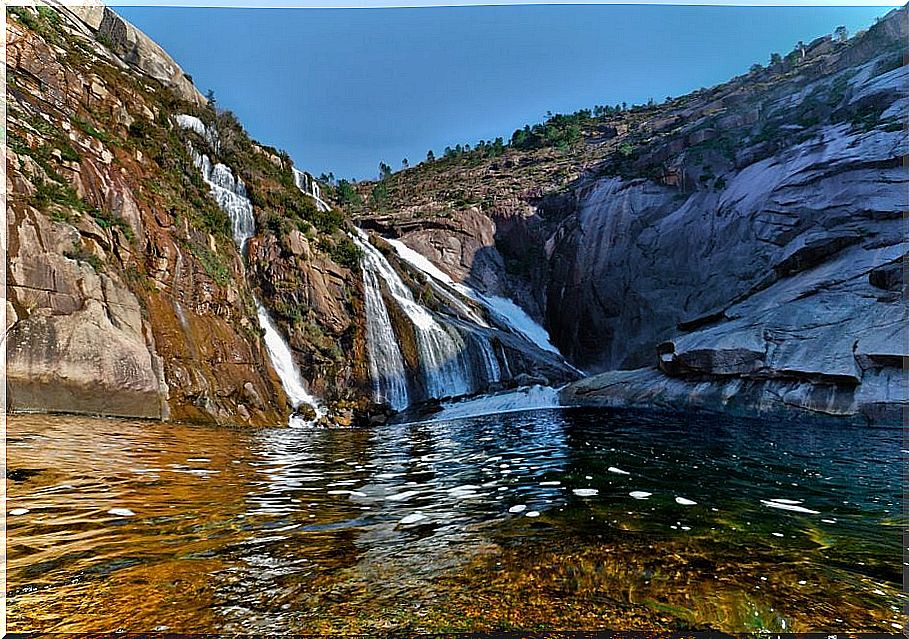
<point x="745" y="242"/>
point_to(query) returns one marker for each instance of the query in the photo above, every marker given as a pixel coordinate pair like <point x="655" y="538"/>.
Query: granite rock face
<point x="116" y="304"/>
<point x="743" y="245"/>
<point x="134" y="48"/>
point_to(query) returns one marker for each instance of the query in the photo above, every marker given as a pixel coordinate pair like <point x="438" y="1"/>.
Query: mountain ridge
<point x="619" y="242"/>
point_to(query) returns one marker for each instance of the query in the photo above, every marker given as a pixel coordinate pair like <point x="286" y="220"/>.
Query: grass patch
<point x="50" y="193"/>
<point x="213" y="263"/>
<point x="107" y="220"/>
<point x="89" y="129"/>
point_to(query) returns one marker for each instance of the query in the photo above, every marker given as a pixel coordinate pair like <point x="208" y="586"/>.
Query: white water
<point x="505" y="310"/>
<point x="195" y="124"/>
<point x="306" y="184"/>
<point x="283" y="362"/>
<point x="529" y="398"/>
<point x="442" y="351"/>
<point x="421" y="263"/>
<point x="386" y="364"/>
<point x="231" y="196"/>
<point x="230" y="193"/>
<point x="517" y="318"/>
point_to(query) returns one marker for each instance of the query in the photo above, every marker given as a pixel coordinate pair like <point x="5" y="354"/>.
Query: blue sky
<point x="343" y="89"/>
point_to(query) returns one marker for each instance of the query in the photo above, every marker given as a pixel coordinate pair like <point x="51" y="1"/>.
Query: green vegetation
<point x="49" y="193"/>
<point x="345" y="252"/>
<point x="42" y="20"/>
<point x="347" y="195"/>
<point x="379" y="195"/>
<point x="106" y="220"/>
<point x="88" y="128"/>
<point x="213" y="263"/>
<point x="81" y="254"/>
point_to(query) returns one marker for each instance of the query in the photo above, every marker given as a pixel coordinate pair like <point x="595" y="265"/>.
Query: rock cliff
<point x="164" y="265"/>
<point x="126" y="295"/>
<point x="740" y="248"/>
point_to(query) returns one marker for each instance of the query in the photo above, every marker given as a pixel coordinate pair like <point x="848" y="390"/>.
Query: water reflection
<point x="412" y="525"/>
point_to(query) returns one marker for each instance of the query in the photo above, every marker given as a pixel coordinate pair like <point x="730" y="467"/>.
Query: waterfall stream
<point x="444" y="358"/>
<point x="386" y="364"/>
<point x="504" y="310"/>
<point x="230" y="193"/>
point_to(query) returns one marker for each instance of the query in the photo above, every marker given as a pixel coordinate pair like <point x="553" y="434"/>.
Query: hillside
<point x="162" y="264"/>
<point x="743" y="241"/>
<point x="126" y="293"/>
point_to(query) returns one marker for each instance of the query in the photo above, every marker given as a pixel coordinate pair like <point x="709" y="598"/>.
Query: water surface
<point x="562" y="519"/>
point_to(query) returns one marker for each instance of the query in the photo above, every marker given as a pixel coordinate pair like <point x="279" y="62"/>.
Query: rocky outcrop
<point x="135" y="48"/>
<point x="123" y="297"/>
<point x="744" y="242"/>
<point x="318" y="303"/>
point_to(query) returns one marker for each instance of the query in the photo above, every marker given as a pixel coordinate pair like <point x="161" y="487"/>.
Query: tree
<point x="405" y="163"/>
<point x="379" y="194"/>
<point x="210" y="98"/>
<point x="430" y="156"/>
<point x="347" y="194"/>
<point x="775" y="58"/>
<point x="756" y="67"/>
<point x="384" y="171"/>
<point x="841" y="34"/>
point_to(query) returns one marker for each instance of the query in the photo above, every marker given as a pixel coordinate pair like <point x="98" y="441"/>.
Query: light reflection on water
<point x="412" y="525"/>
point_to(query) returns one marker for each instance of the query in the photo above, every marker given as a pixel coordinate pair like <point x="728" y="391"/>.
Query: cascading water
<point x="504" y="310"/>
<point x="442" y="351"/>
<point x="529" y="398"/>
<point x="386" y="364"/>
<point x="231" y="196"/>
<point x="283" y="362"/>
<point x="230" y="193"/>
<point x="309" y="186"/>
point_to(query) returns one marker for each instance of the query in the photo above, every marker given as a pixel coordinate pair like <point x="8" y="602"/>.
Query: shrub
<point x="81" y="254"/>
<point x="346" y="253"/>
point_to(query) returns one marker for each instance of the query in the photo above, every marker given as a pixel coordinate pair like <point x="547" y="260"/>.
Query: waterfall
<point x="442" y="351"/>
<point x="505" y="311"/>
<point x="308" y="185"/>
<point x="530" y="398"/>
<point x="386" y="364"/>
<point x="490" y="361"/>
<point x="283" y="362"/>
<point x="230" y="194"/>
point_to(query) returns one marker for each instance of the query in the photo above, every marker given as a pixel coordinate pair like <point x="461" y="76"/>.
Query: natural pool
<point x="550" y="519"/>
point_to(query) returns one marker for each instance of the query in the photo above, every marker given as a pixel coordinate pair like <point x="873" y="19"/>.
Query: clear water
<point x="520" y="520"/>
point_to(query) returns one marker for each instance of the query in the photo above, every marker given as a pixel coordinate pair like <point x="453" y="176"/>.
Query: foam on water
<point x="528" y="398"/>
<point x="413" y="518"/>
<point x="785" y="506"/>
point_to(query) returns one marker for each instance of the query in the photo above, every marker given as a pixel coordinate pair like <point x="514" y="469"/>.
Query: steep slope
<point x="126" y="294"/>
<point x="741" y="246"/>
<point x="164" y="265"/>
